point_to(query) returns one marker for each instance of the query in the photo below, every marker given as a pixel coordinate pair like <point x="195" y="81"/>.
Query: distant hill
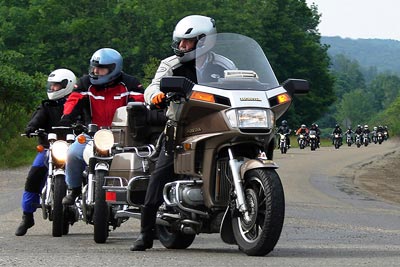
<point x="380" y="53"/>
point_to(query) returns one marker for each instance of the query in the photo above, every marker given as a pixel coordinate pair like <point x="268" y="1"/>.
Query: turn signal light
<point x="283" y="98"/>
<point x="202" y="96"/>
<point x="39" y="148"/>
<point x="82" y="139"/>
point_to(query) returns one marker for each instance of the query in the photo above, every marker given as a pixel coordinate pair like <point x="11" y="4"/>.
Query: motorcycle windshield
<point x="234" y="62"/>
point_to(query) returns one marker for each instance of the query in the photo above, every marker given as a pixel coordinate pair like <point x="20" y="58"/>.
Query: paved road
<point x="329" y="222"/>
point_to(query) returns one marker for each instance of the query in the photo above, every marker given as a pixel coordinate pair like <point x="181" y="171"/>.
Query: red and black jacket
<point x="97" y="104"/>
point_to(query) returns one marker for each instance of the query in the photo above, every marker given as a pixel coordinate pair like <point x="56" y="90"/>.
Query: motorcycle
<point x="349" y="139"/>
<point x="358" y="140"/>
<point x="337" y="140"/>
<point x="379" y="138"/>
<point x="374" y="137"/>
<point x="283" y="144"/>
<point x="223" y="146"/>
<point x="385" y="135"/>
<point x="365" y="139"/>
<point x="110" y="159"/>
<point x="302" y="141"/>
<point x="313" y="141"/>
<point x="55" y="187"/>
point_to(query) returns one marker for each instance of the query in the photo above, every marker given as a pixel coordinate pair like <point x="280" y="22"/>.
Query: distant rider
<point x="337" y="130"/>
<point x="302" y="130"/>
<point x="349" y="132"/>
<point x="284" y="129"/>
<point x="314" y="127"/>
<point x="367" y="132"/>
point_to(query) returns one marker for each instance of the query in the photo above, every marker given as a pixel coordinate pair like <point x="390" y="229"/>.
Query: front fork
<point x="92" y="181"/>
<point x="234" y="164"/>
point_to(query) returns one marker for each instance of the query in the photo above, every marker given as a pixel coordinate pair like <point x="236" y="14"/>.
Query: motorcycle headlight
<point x="103" y="141"/>
<point x="59" y="153"/>
<point x="250" y="118"/>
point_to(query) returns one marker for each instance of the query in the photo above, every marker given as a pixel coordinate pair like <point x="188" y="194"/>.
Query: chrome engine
<point x="186" y="194"/>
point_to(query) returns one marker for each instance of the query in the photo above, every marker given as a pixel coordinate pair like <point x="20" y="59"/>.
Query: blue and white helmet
<point x="105" y="58"/>
<point x="198" y="27"/>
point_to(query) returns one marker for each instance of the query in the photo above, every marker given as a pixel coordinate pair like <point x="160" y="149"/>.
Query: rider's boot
<point x="70" y="198"/>
<point x="147" y="224"/>
<point x="27" y="222"/>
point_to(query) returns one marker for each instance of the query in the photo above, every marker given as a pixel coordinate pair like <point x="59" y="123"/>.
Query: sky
<point x="359" y="19"/>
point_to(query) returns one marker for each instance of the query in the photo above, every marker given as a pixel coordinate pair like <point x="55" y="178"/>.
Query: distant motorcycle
<point x="313" y="140"/>
<point x="374" y="137"/>
<point x="337" y="140"/>
<point x="379" y="138"/>
<point x="385" y="135"/>
<point x="283" y="144"/>
<point x="349" y="139"/>
<point x="365" y="139"/>
<point x="302" y="140"/>
<point x="358" y="140"/>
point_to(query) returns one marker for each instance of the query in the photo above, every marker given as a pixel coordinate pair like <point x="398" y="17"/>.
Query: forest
<point x="38" y="36"/>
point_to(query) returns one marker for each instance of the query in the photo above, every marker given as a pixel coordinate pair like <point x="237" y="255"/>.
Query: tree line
<point x="364" y="96"/>
<point x="39" y="36"/>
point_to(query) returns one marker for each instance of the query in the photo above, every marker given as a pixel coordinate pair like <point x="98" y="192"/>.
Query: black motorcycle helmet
<point x="284" y="123"/>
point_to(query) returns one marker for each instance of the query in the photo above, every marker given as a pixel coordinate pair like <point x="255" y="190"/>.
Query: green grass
<point x="17" y="152"/>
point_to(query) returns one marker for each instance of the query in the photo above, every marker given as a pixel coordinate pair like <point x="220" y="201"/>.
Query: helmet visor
<point x="98" y="70"/>
<point x="56" y="86"/>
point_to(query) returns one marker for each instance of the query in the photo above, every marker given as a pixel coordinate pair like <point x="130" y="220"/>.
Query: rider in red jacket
<point x="95" y="100"/>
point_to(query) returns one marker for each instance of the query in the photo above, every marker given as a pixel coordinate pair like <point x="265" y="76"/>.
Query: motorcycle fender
<point x="226" y="229"/>
<point x="59" y="172"/>
<point x="257" y="164"/>
<point x="102" y="166"/>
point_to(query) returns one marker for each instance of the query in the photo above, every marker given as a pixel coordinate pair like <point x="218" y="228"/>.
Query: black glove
<point x="28" y="131"/>
<point x="64" y="122"/>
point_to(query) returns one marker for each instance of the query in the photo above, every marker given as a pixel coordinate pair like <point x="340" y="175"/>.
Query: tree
<point x="354" y="108"/>
<point x="385" y="88"/>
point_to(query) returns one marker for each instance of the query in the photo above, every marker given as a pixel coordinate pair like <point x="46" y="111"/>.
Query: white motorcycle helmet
<point x="201" y="28"/>
<point x="64" y="77"/>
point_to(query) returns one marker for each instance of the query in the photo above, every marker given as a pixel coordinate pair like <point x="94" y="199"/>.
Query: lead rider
<point x="193" y="36"/>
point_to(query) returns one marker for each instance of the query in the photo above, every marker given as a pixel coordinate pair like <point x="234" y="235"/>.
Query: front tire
<point x="101" y="209"/>
<point x="283" y="149"/>
<point x="59" y="191"/>
<point x="258" y="234"/>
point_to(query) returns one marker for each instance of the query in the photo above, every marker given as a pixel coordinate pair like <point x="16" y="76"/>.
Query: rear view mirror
<point x="296" y="86"/>
<point x="176" y="84"/>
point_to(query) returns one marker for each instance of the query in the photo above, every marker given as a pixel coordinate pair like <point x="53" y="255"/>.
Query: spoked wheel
<point x="59" y="191"/>
<point x="101" y="210"/>
<point x="174" y="240"/>
<point x="259" y="231"/>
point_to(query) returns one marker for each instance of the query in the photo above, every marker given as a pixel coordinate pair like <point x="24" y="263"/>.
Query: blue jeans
<point x="75" y="165"/>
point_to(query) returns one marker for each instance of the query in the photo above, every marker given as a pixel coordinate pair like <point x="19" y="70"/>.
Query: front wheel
<point x="258" y="233"/>
<point x="283" y="148"/>
<point x="59" y="191"/>
<point x="174" y="240"/>
<point x="101" y="209"/>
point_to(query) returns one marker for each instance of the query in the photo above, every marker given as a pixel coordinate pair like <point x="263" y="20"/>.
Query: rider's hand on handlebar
<point x="158" y="99"/>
